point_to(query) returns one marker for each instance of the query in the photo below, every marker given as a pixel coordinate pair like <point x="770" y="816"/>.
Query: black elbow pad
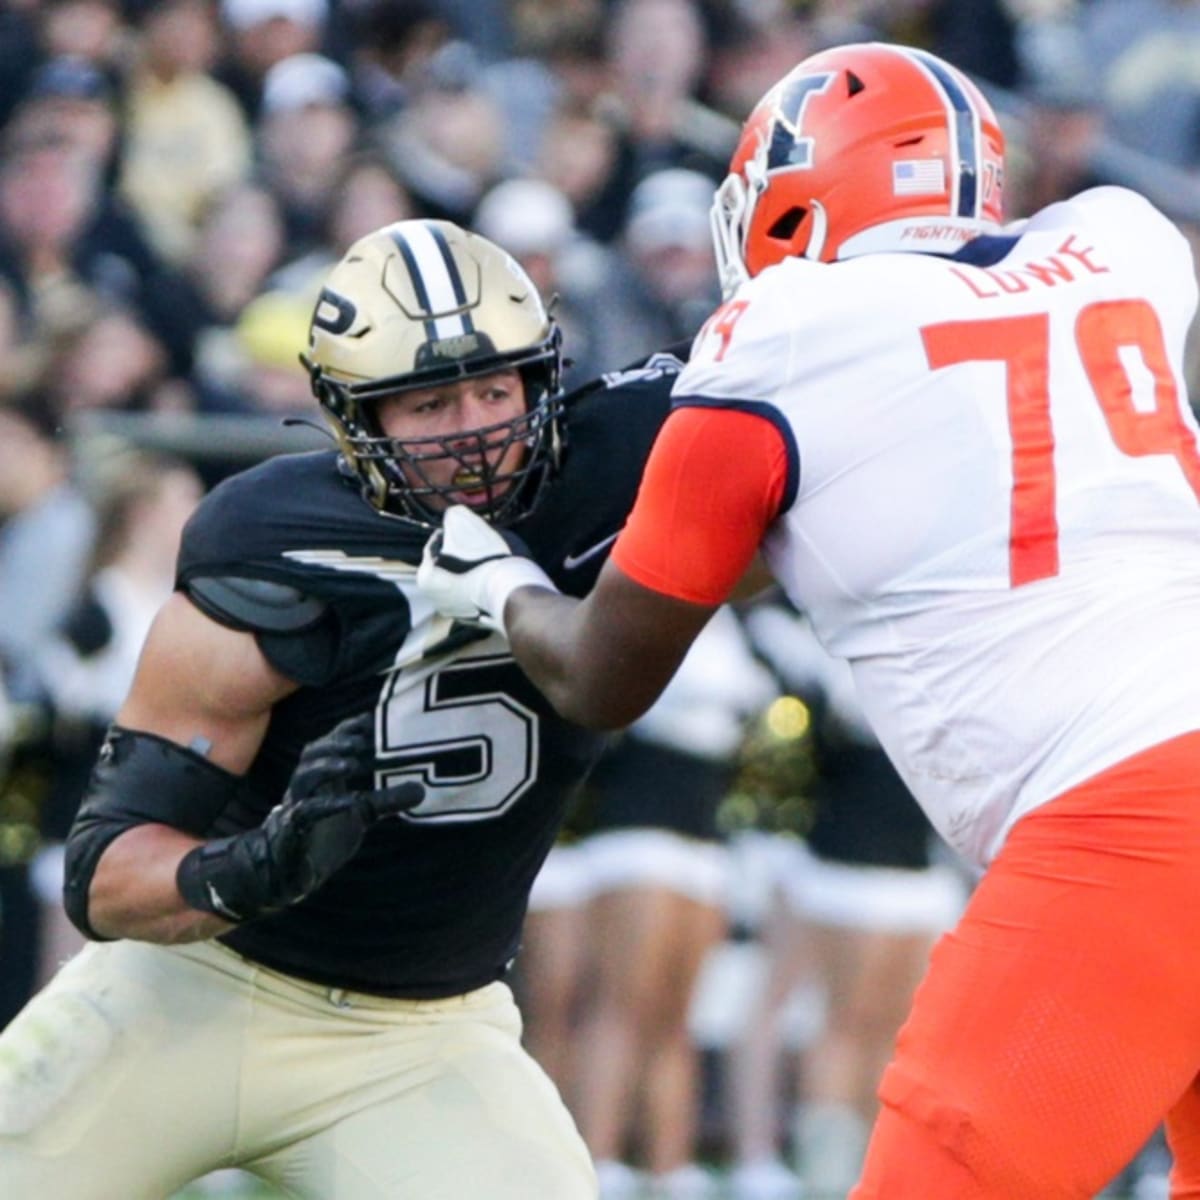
<point x="142" y="779"/>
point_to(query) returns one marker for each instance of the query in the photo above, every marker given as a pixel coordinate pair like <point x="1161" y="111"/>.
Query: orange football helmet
<point x="860" y="149"/>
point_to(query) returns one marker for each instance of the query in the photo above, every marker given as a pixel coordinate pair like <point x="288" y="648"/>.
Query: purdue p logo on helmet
<point x="420" y="303"/>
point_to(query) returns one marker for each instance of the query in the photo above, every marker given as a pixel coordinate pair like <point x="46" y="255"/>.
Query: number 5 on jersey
<point x="1022" y="343"/>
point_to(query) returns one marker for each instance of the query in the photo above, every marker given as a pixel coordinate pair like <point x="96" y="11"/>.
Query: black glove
<point x="317" y="826"/>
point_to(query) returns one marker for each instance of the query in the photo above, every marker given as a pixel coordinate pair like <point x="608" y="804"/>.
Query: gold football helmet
<point x="419" y="303"/>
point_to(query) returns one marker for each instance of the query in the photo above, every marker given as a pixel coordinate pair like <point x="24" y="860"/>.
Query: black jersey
<point x="433" y="902"/>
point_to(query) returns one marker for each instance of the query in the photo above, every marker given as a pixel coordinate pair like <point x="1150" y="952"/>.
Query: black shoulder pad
<point x="254" y="605"/>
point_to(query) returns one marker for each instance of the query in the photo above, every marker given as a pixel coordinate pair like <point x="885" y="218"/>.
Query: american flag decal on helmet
<point x="919" y="177"/>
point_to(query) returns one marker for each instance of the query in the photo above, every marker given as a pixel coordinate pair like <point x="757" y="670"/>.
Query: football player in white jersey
<point x="965" y="450"/>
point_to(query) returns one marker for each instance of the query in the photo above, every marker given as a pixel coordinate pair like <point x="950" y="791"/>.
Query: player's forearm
<point x="560" y="645"/>
<point x="133" y="892"/>
<point x="549" y="640"/>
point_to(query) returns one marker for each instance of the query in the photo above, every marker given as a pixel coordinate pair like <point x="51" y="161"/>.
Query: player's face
<point x="460" y="415"/>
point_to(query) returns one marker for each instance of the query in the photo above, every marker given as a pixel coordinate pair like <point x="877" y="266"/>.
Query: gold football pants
<point x="142" y="1067"/>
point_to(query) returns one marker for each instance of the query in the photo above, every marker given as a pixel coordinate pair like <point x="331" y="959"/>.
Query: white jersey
<point x="997" y="514"/>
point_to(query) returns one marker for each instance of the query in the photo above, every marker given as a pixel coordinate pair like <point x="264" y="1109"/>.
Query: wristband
<point x="231" y="877"/>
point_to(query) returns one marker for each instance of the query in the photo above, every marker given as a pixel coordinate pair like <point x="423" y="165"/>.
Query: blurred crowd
<point x="176" y="176"/>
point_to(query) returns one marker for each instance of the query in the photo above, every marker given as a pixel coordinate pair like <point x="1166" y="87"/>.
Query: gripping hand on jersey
<point x="317" y="826"/>
<point x="469" y="569"/>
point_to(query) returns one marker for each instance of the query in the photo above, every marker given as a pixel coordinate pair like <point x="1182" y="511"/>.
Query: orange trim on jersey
<point x="715" y="480"/>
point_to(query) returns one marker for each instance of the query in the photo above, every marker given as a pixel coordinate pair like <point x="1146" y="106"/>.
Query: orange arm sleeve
<point x="716" y="478"/>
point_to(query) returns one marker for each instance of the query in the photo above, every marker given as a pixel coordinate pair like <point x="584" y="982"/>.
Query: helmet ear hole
<point x="785" y="226"/>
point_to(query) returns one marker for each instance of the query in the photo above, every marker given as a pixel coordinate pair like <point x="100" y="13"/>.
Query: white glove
<point x="469" y="569"/>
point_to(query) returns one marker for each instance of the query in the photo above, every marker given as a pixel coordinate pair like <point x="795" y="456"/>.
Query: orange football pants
<point x="1059" y="1022"/>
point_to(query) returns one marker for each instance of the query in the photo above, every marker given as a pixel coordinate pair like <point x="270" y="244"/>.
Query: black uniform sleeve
<point x="266" y="553"/>
<point x="611" y="425"/>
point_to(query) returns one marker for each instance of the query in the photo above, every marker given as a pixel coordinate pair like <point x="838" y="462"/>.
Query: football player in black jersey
<point x="315" y="991"/>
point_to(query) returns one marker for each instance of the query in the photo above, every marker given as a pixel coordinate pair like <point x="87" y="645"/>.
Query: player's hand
<point x="316" y="828"/>
<point x="469" y="569"/>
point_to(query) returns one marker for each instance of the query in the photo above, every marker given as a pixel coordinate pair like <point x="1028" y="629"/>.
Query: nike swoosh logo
<point x="577" y="560"/>
<point x="223" y="909"/>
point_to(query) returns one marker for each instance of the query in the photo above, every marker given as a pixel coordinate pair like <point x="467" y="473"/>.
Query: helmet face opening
<point x="420" y="304"/>
<point x="860" y="149"/>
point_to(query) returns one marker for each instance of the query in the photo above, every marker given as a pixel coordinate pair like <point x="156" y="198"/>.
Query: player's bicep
<point x="715" y="480"/>
<point x="204" y="685"/>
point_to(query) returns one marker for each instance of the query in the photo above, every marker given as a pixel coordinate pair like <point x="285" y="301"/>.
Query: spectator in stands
<point x="663" y="284"/>
<point x="45" y="536"/>
<point x="306" y="130"/>
<point x="750" y="49"/>
<point x="240" y="242"/>
<point x="271" y="334"/>
<point x="579" y="154"/>
<point x="393" y="42"/>
<point x="448" y="142"/>
<point x="74" y="101"/>
<point x="262" y="33"/>
<point x="186" y="137"/>
<point x="46" y="526"/>
<point x="1142" y="55"/>
<point x="46" y="194"/>
<point x="68" y="248"/>
<point x="110" y="361"/>
<point x="367" y="194"/>
<point x="533" y="219"/>
<point x="86" y="665"/>
<point x="657" y="50"/>
<point x="86" y="29"/>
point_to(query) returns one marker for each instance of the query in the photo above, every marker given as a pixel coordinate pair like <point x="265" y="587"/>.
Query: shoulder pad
<point x="255" y="605"/>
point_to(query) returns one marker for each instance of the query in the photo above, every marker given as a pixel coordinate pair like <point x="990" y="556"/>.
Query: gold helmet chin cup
<point x="424" y="302"/>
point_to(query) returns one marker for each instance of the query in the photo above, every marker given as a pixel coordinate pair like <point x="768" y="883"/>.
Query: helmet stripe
<point x="436" y="281"/>
<point x="455" y="276"/>
<point x="965" y="134"/>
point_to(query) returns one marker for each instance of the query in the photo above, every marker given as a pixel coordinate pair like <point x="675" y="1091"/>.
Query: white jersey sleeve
<point x="997" y="520"/>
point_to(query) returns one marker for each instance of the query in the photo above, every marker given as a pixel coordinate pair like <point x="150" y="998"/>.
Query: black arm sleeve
<point x="142" y="779"/>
